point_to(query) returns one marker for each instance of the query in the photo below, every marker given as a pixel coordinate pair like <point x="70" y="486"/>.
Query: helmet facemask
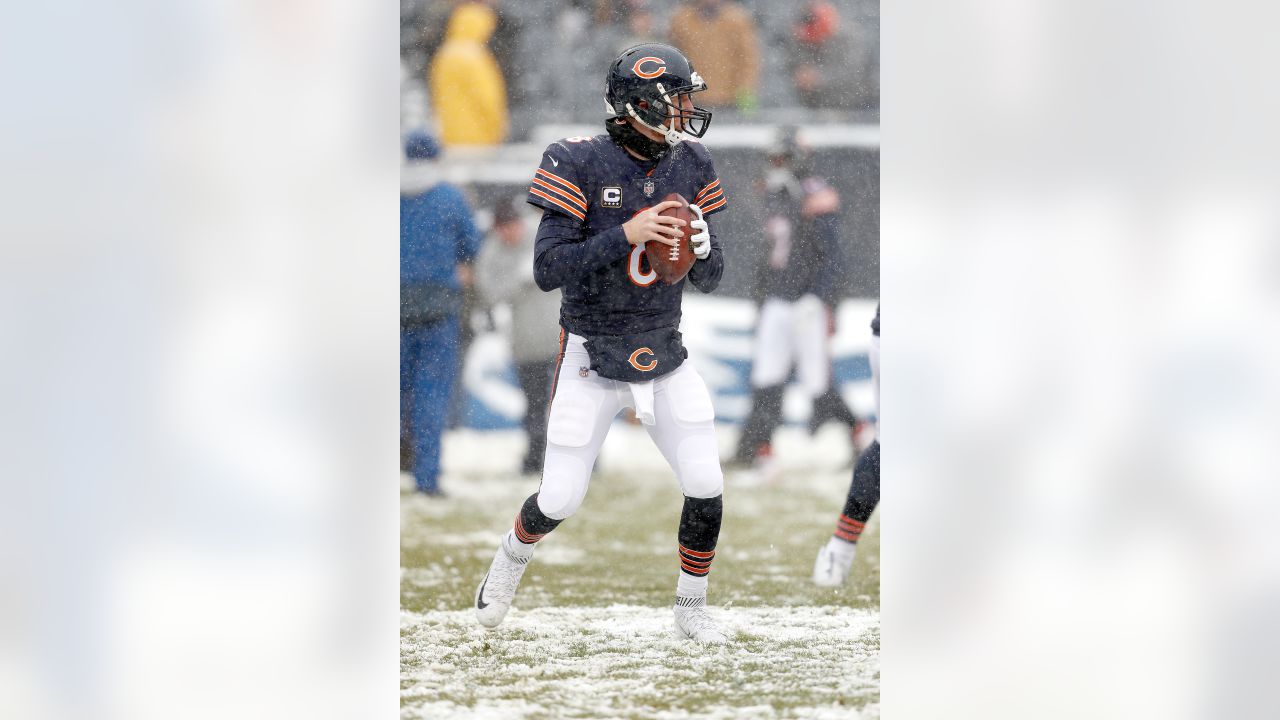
<point x="664" y="111"/>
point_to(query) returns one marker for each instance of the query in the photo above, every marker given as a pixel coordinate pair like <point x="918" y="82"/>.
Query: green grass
<point x="589" y="634"/>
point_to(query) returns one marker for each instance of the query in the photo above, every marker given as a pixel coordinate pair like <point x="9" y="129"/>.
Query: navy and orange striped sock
<point x="848" y="529"/>
<point x="864" y="495"/>
<point x="699" y="531"/>
<point x="696" y="563"/>
<point x="530" y="526"/>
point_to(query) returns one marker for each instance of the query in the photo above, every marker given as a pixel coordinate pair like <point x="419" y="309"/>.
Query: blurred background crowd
<point x="543" y="61"/>
<point x="486" y="85"/>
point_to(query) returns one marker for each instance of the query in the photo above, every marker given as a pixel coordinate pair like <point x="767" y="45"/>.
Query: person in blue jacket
<point x="438" y="242"/>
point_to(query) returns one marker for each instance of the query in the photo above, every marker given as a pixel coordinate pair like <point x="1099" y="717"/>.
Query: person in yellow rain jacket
<point x="468" y="94"/>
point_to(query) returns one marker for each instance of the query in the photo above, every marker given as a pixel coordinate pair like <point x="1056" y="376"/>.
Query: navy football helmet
<point x="645" y="83"/>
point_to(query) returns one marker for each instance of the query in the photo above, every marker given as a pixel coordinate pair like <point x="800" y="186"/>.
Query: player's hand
<point x="649" y="225"/>
<point x="701" y="241"/>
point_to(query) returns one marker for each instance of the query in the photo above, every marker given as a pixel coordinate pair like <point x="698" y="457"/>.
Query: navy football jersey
<point x="805" y="254"/>
<point x="589" y="187"/>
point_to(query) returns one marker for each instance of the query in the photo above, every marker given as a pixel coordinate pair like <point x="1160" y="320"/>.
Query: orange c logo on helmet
<point x="642" y="367"/>
<point x="649" y="74"/>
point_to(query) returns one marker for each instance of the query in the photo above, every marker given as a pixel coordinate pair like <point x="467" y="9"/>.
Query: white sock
<point x="689" y="586"/>
<point x="842" y="549"/>
<point x="517" y="548"/>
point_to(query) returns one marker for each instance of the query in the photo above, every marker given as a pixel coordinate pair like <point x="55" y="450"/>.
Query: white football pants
<point x="792" y="332"/>
<point x="585" y="405"/>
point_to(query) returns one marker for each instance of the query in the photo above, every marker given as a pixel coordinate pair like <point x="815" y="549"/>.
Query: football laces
<point x="674" y="254"/>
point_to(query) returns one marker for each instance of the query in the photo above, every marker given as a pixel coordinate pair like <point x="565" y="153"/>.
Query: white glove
<point x="702" y="240"/>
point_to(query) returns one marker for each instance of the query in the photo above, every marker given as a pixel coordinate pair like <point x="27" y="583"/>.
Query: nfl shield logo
<point x="648" y="188"/>
<point x="583" y="372"/>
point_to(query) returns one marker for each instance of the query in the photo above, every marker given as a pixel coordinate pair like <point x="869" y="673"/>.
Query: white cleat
<point x="831" y="568"/>
<point x="695" y="623"/>
<point x="498" y="589"/>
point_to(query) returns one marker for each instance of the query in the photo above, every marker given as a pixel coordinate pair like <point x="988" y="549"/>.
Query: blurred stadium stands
<point x="555" y="52"/>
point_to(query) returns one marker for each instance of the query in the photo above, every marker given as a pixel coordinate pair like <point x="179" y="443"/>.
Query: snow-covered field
<point x="590" y="634"/>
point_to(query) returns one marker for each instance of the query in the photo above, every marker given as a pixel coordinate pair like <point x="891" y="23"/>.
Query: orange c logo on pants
<point x="642" y="367"/>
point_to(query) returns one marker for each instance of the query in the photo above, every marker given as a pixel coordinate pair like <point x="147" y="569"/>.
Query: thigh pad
<point x="573" y="414"/>
<point x="690" y="401"/>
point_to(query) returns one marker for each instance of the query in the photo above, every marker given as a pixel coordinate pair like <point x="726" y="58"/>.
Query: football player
<point x="620" y="345"/>
<point x="797" y="286"/>
<point x="836" y="557"/>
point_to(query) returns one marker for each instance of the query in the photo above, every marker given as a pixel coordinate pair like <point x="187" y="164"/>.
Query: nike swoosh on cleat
<point x="480" y="603"/>
<point x="553" y="162"/>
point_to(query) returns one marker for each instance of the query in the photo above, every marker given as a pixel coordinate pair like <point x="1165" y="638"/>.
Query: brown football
<point x="673" y="262"/>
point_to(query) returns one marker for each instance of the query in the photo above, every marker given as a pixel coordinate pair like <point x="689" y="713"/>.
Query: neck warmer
<point x="628" y="137"/>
